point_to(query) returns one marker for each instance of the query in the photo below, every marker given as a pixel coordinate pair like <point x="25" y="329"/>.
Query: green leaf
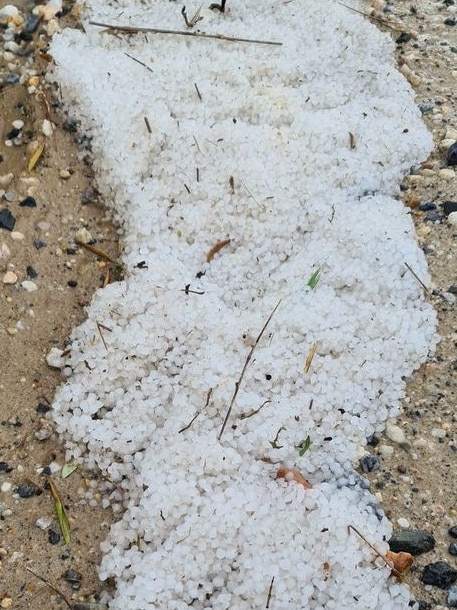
<point x="314" y="279"/>
<point x="61" y="514"/>
<point x="304" y="446"/>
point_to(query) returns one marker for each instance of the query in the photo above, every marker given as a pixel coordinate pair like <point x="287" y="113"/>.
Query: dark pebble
<point x="451" y="599"/>
<point x="452" y="531"/>
<point x="452" y="548"/>
<point x="42" y="408"/>
<point x="13" y="134"/>
<point x="28" y="202"/>
<point x="5" y="467"/>
<point x="11" y="79"/>
<point x="27" y="490"/>
<point x="450" y="21"/>
<point x="72" y="283"/>
<point x="39" y="243"/>
<point x="449" y="207"/>
<point x="427" y="207"/>
<point x="426" y="107"/>
<point x="411" y="541"/>
<point x="25" y="36"/>
<point x="404" y="37"/>
<point x="424" y="606"/>
<point x="373" y="440"/>
<point x="451" y="156"/>
<point x="53" y="537"/>
<point x="31" y="23"/>
<point x="32" y="274"/>
<point x="369" y="463"/>
<point x="7" y="220"/>
<point x="439" y="574"/>
<point x="433" y="217"/>
<point x="46" y="471"/>
<point x="74" y="578"/>
<point x="70" y="125"/>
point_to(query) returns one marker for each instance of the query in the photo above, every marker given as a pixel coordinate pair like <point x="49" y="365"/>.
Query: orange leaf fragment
<point x="292" y="474"/>
<point x="215" y="249"/>
<point x="401" y="562"/>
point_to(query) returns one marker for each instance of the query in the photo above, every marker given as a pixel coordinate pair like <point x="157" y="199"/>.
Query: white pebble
<point x="446" y="174"/>
<point x="8" y="11"/>
<point x="6" y="486"/>
<point x="54" y="358"/>
<point x="43" y="523"/>
<point x="18" y="124"/>
<point x="452" y="219"/>
<point x="83" y="236"/>
<point x="9" y="278"/>
<point x="386" y="450"/>
<point x="395" y="433"/>
<point x="402" y="522"/>
<point x="47" y="128"/>
<point x="6" y="179"/>
<point x="438" y="433"/>
<point x="17" y="235"/>
<point x="29" y="286"/>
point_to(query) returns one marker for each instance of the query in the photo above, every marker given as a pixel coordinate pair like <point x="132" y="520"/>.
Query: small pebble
<point x="74" y="578"/>
<point x="6" y="487"/>
<point x="395" y="433"/>
<point x="31" y="23"/>
<point x="53" y="537"/>
<point x="6" y="179"/>
<point x="452" y="548"/>
<point x="369" y="463"/>
<point x="451" y="599"/>
<point x="451" y="155"/>
<point x="452" y="219"/>
<point x="47" y="128"/>
<point x="83" y="236"/>
<point x="9" y="196"/>
<point x="55" y="359"/>
<point x="32" y="274"/>
<point x="402" y="522"/>
<point x="7" y="220"/>
<point x="28" y="202"/>
<point x="8" y="12"/>
<point x="43" y="523"/>
<point x="11" y="79"/>
<point x="39" y="243"/>
<point x="452" y="531"/>
<point x="411" y="541"/>
<point x="447" y="174"/>
<point x="72" y="283"/>
<point x="27" y="490"/>
<point x="5" y="467"/>
<point x="439" y="574"/>
<point x="9" y="278"/>
<point x="29" y="286"/>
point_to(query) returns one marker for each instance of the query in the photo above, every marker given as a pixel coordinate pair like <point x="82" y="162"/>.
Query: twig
<point x="372" y="546"/>
<point x="194" y="20"/>
<point x="198" y="92"/>
<point x="381" y="21"/>
<point x="220" y="7"/>
<point x="243" y="371"/>
<point x="99" y="327"/>
<point x="208" y="397"/>
<point x="55" y="589"/>
<point x="270" y="591"/>
<point x="99" y="253"/>
<point x="251" y="413"/>
<point x="139" y="62"/>
<point x="134" y="30"/>
<point x="148" y="125"/>
<point x="426" y="290"/>
<point x="216" y="248"/>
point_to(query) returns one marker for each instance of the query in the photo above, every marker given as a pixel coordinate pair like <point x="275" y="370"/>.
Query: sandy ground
<point x="417" y="476"/>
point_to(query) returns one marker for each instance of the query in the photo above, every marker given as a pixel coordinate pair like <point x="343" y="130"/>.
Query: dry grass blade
<point x="216" y="248"/>
<point x="426" y="290"/>
<point x="99" y="253"/>
<point x="101" y="326"/>
<point x="60" y="512"/>
<point x="246" y="363"/>
<point x="36" y="156"/>
<point x="126" y="29"/>
<point x="309" y="357"/>
<point x="270" y="591"/>
<point x="46" y="582"/>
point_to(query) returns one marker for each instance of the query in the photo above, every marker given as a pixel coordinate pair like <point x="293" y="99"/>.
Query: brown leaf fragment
<point x="216" y="248"/>
<point x="401" y="562"/>
<point x="292" y="474"/>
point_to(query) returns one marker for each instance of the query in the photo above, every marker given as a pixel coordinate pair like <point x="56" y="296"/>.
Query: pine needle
<point x="60" y="512"/>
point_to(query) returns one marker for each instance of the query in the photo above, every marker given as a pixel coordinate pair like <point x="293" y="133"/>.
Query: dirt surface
<point x="417" y="475"/>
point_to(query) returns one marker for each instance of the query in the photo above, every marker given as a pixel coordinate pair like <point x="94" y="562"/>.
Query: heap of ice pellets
<point x="294" y="154"/>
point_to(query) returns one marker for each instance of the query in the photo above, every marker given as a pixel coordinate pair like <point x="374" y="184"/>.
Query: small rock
<point x="9" y="278"/>
<point x="74" y="578"/>
<point x="411" y="541"/>
<point x="395" y="433"/>
<point x="31" y="23"/>
<point x="386" y="450"/>
<point x="6" y="180"/>
<point x="64" y="174"/>
<point x="7" y="220"/>
<point x="369" y="463"/>
<point x="6" y="487"/>
<point x="450" y="21"/>
<point x="53" y="537"/>
<point x="449" y="207"/>
<point x="47" y="128"/>
<point x="449" y="297"/>
<point x="43" y="523"/>
<point x="452" y="548"/>
<point x="17" y="235"/>
<point x="451" y="599"/>
<point x="402" y="522"/>
<point x="5" y="467"/>
<point x="27" y="490"/>
<point x="8" y="12"/>
<point x="447" y="174"/>
<point x="452" y="531"/>
<point x="452" y="219"/>
<point x="55" y="358"/>
<point x="5" y="252"/>
<point x="439" y="574"/>
<point x="28" y="202"/>
<point x="83" y="236"/>
<point x="451" y="155"/>
<point x="29" y="286"/>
